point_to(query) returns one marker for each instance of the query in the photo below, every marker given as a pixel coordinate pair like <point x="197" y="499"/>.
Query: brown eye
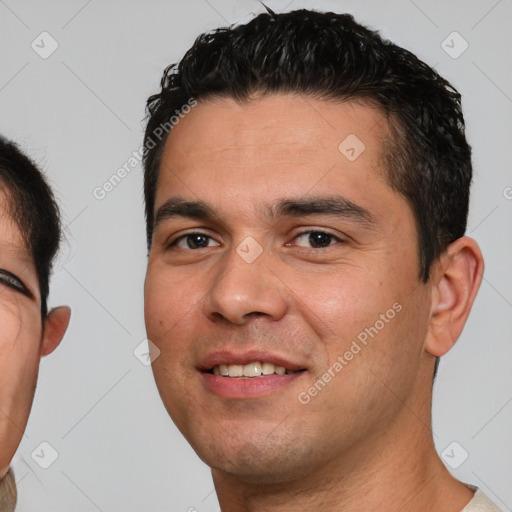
<point x="194" y="241"/>
<point x="316" y="239"/>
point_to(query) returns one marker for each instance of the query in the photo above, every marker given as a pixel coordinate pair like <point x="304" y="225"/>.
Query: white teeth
<point x="268" y="368"/>
<point x="235" y="370"/>
<point x="221" y="369"/>
<point x="255" y="369"/>
<point x="252" y="370"/>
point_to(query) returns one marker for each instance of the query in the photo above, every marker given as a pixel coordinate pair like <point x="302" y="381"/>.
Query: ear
<point x="55" y="326"/>
<point x="455" y="282"/>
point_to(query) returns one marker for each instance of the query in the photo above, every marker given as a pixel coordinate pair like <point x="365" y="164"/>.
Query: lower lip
<point x="229" y="387"/>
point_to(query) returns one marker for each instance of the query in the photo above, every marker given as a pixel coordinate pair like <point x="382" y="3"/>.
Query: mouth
<point x="249" y="375"/>
<point x="250" y="371"/>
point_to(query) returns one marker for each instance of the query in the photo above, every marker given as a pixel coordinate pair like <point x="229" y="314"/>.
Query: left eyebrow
<point x="322" y="205"/>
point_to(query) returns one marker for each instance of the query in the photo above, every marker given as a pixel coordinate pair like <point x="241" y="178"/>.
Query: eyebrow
<point x="336" y="205"/>
<point x="179" y="207"/>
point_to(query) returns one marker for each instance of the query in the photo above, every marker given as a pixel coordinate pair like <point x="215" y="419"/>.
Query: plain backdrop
<point x="79" y="113"/>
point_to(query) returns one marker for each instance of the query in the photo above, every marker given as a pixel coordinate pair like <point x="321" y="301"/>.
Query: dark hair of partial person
<point x="330" y="56"/>
<point x="31" y="204"/>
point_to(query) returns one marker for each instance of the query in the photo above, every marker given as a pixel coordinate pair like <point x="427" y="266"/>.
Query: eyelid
<point x="14" y="282"/>
<point x="316" y="230"/>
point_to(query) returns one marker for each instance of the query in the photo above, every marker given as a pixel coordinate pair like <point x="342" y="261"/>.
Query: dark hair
<point x="32" y="206"/>
<point x="330" y="56"/>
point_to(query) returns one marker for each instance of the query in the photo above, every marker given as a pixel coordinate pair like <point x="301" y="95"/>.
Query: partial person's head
<point x="307" y="210"/>
<point x="30" y="232"/>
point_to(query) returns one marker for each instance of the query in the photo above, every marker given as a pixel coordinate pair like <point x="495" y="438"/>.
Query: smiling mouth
<point x="250" y="371"/>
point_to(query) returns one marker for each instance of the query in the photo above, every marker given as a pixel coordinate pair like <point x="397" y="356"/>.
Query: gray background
<point x="79" y="114"/>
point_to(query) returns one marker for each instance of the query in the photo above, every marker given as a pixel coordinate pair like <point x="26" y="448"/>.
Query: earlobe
<point x="55" y="326"/>
<point x="456" y="280"/>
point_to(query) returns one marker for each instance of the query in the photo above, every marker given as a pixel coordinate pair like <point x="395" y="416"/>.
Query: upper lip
<point x="237" y="357"/>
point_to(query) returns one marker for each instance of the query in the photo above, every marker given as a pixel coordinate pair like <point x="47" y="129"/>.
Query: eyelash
<point x="13" y="282"/>
<point x="302" y="233"/>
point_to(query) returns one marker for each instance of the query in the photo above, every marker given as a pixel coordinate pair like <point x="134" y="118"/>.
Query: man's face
<point x="20" y="335"/>
<point x="300" y="255"/>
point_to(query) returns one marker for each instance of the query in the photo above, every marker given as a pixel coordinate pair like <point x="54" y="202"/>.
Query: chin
<point x="265" y="474"/>
<point x="262" y="463"/>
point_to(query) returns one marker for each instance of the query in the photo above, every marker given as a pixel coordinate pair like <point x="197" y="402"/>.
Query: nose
<point x="242" y="290"/>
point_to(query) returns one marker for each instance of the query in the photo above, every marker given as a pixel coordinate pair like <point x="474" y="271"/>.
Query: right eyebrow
<point x="179" y="207"/>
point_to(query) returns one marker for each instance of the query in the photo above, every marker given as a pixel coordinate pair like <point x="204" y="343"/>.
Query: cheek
<point x="171" y="317"/>
<point x="342" y="302"/>
<point x="19" y="350"/>
<point x="19" y="361"/>
<point x="171" y="304"/>
<point x="373" y="315"/>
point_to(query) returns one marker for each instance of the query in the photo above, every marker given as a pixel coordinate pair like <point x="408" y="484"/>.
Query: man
<point x="308" y="264"/>
<point x="29" y="240"/>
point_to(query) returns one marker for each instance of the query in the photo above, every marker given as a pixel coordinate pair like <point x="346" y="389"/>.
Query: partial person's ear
<point x="455" y="281"/>
<point x="55" y="326"/>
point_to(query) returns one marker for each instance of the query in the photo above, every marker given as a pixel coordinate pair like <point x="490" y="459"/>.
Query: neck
<point x="396" y="469"/>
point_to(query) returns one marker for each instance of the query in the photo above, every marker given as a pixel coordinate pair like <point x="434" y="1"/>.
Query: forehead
<point x="275" y="145"/>
<point x="11" y="238"/>
<point x="280" y="122"/>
